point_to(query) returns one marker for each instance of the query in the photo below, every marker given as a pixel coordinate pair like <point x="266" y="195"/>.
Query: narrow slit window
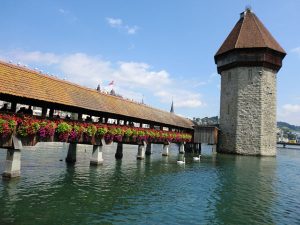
<point x="229" y="76"/>
<point x="249" y="74"/>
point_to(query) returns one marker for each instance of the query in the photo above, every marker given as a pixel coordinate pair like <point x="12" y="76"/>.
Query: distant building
<point x="206" y="121"/>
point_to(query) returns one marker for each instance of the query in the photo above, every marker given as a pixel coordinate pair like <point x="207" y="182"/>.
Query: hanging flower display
<point x="7" y="126"/>
<point x="79" y="132"/>
<point x="63" y="130"/>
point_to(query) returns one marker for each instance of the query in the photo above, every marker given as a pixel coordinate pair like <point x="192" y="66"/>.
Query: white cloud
<point x="290" y="108"/>
<point x="62" y="11"/>
<point x="68" y="15"/>
<point x="289" y="113"/>
<point x="38" y="57"/>
<point x="140" y="74"/>
<point x="296" y="50"/>
<point x="131" y="30"/>
<point x="181" y="98"/>
<point x="130" y="77"/>
<point x="114" y="22"/>
<point x="33" y="57"/>
<point x="85" y="70"/>
<point x="118" y="23"/>
<point x="211" y="78"/>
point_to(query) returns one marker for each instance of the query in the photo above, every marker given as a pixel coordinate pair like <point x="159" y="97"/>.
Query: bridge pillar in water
<point x="141" y="150"/>
<point x="13" y="160"/>
<point x="181" y="148"/>
<point x="12" y="164"/>
<point x="180" y="157"/>
<point x="165" y="150"/>
<point x="71" y="156"/>
<point x="148" y="149"/>
<point x="97" y="158"/>
<point x="197" y="147"/>
<point x="214" y="149"/>
<point x="119" y="152"/>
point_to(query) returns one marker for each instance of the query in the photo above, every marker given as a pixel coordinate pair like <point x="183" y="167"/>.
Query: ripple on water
<point x="220" y="189"/>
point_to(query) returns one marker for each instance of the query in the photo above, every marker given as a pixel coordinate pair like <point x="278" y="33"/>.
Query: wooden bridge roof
<point x="25" y="83"/>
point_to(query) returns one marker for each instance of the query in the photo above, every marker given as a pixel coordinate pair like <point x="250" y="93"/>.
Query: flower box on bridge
<point x="31" y="130"/>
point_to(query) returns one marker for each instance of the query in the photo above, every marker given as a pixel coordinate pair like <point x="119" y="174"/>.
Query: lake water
<point x="221" y="189"/>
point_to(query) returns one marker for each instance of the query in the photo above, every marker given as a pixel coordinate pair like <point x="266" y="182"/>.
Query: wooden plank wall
<point x="206" y="134"/>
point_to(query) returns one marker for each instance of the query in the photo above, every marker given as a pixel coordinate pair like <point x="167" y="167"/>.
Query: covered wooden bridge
<point x="19" y="85"/>
<point x="22" y="86"/>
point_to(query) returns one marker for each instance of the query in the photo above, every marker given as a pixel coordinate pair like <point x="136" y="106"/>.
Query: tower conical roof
<point x="249" y="32"/>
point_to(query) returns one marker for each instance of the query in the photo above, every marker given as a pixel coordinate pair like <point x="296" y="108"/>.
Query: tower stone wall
<point x="248" y="111"/>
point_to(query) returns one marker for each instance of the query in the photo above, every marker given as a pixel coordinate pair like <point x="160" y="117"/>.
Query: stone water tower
<point x="248" y="62"/>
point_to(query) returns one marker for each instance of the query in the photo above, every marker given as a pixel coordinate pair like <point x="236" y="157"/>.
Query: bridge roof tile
<point x="23" y="82"/>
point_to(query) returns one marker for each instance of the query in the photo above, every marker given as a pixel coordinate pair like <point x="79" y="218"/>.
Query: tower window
<point x="249" y="74"/>
<point x="229" y="76"/>
<point x="228" y="109"/>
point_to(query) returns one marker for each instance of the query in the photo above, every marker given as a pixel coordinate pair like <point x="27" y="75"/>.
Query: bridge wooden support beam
<point x="44" y="111"/>
<point x="71" y="156"/>
<point x="119" y="152"/>
<point x="79" y="117"/>
<point x="13" y="107"/>
<point x="51" y="112"/>
<point x="181" y="148"/>
<point x="148" y="149"/>
<point x="13" y="160"/>
<point x="165" y="150"/>
<point x="141" y="150"/>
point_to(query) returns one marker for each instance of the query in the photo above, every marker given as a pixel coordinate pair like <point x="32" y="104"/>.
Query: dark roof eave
<point x="216" y="56"/>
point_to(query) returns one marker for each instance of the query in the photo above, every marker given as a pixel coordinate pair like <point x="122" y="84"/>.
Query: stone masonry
<point x="248" y="111"/>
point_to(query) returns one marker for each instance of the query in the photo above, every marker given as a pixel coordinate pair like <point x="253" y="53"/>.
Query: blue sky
<point x="155" y="50"/>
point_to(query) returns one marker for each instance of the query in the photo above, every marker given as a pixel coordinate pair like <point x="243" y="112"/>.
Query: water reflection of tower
<point x="245" y="190"/>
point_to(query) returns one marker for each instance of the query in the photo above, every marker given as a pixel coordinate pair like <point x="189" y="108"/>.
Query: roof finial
<point x="248" y="8"/>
